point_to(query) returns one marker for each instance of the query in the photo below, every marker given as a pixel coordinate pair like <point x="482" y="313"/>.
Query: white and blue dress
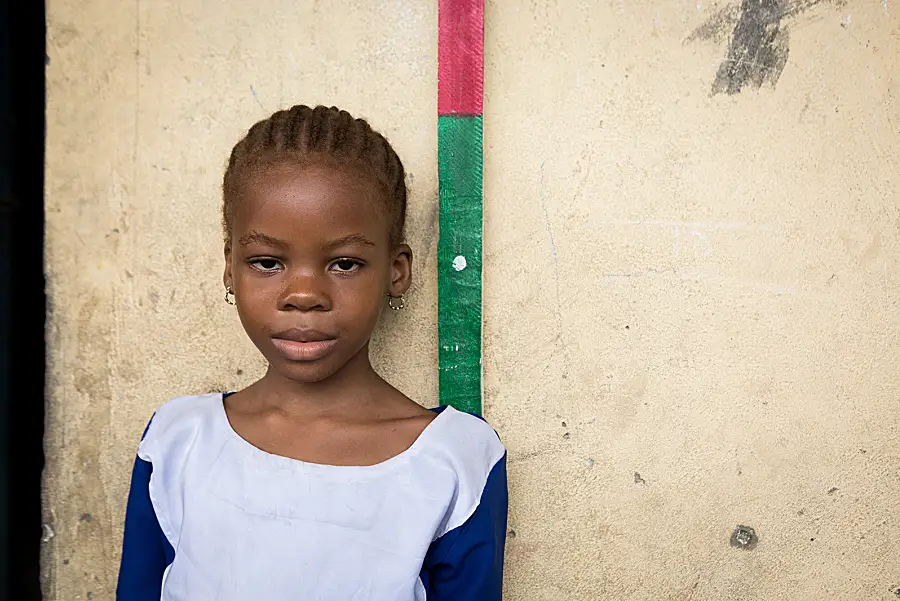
<point x="211" y="517"/>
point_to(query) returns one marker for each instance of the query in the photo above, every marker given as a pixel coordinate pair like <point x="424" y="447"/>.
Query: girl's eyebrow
<point x="350" y="240"/>
<point x="252" y="237"/>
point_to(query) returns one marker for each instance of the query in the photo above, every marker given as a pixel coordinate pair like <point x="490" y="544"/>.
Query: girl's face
<point x="311" y="264"/>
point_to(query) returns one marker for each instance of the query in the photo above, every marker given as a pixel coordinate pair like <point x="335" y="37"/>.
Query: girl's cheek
<point x="258" y="290"/>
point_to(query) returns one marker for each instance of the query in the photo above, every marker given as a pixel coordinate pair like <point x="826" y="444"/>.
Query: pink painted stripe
<point x="460" y="57"/>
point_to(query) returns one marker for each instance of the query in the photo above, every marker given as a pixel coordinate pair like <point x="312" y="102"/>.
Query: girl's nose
<point x="304" y="293"/>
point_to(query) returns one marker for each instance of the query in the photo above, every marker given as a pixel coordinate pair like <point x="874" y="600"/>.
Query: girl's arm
<point x="146" y="551"/>
<point x="467" y="562"/>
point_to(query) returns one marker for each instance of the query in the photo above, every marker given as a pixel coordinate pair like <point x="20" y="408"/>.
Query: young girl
<point x="320" y="481"/>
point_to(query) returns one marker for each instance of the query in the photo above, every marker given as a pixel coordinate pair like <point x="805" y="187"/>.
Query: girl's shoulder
<point x="181" y="420"/>
<point x="456" y="431"/>
<point x="463" y="442"/>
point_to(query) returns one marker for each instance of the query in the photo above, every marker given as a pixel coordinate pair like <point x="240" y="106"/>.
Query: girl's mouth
<point x="298" y="350"/>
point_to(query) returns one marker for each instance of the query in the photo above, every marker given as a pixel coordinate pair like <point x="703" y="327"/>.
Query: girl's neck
<point x="355" y="387"/>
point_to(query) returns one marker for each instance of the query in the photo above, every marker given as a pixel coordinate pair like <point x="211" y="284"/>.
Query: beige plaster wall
<point x="691" y="298"/>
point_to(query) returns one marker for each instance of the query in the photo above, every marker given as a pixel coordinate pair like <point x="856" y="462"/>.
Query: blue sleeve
<point x="467" y="562"/>
<point x="146" y="552"/>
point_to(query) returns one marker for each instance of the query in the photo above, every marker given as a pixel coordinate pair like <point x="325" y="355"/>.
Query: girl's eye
<point x="346" y="265"/>
<point x="265" y="264"/>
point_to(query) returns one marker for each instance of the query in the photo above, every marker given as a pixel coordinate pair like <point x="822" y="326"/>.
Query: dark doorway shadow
<point x="22" y="301"/>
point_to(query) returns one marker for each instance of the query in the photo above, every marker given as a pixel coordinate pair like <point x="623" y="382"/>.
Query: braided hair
<point x="305" y="136"/>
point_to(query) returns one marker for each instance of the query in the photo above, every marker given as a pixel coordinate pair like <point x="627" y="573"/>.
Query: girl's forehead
<point x="311" y="200"/>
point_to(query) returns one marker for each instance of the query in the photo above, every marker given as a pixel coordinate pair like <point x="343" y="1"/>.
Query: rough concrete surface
<point x="692" y="249"/>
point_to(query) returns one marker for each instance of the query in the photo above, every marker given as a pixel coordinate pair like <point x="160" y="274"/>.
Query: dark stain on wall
<point x="758" y="47"/>
<point x="744" y="537"/>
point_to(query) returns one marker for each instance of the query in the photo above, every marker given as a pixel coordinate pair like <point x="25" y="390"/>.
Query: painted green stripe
<point x="459" y="261"/>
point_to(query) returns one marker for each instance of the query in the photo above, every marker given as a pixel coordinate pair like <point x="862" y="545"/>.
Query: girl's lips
<point x="295" y="350"/>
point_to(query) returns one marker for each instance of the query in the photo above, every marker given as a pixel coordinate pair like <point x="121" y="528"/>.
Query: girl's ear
<point x="227" y="278"/>
<point x="401" y="270"/>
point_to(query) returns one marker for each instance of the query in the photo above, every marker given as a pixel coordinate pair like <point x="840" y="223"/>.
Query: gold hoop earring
<point x="400" y="305"/>
<point x="229" y="296"/>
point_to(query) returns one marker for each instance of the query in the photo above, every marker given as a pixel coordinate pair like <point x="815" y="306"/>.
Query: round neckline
<point x="397" y="459"/>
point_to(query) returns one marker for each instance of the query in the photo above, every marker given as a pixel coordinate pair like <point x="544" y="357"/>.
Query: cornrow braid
<point x="320" y="135"/>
